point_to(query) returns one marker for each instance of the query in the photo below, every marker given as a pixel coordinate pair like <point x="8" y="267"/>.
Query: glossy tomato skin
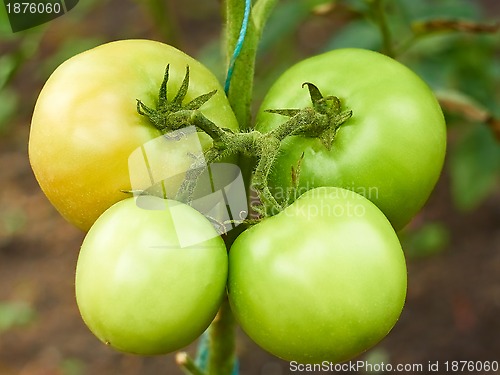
<point x="323" y="280"/>
<point x="85" y="124"/>
<point x="391" y="150"/>
<point x="138" y="289"/>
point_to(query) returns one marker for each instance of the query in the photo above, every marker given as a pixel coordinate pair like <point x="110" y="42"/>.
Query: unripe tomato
<point x="392" y="148"/>
<point x="150" y="281"/>
<point x="85" y="125"/>
<point x="324" y="280"/>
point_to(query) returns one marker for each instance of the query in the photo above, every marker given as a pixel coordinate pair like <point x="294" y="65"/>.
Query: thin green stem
<point x="222" y="334"/>
<point x="378" y="7"/>
<point x="268" y="147"/>
<point x="222" y="331"/>
<point x="407" y="44"/>
<point x="186" y="363"/>
<point x="424" y="29"/>
<point x="162" y="13"/>
<point x="241" y="89"/>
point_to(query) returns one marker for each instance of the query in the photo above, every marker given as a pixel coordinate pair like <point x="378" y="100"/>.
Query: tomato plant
<point x="323" y="280"/>
<point x="345" y="150"/>
<point x="391" y="150"/>
<point x="330" y="262"/>
<point x="150" y="281"/>
<point x="85" y="124"/>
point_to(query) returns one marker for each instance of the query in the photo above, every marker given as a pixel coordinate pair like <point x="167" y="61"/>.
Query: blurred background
<point x="452" y="246"/>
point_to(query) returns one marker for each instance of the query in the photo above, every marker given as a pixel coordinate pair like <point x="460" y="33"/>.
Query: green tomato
<point x="392" y="148"/>
<point x="85" y="124"/>
<point x="150" y="281"/>
<point x="323" y="280"/>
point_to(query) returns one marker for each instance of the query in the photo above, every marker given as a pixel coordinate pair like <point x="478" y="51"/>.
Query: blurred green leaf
<point x="424" y="9"/>
<point x="5" y="30"/>
<point x="495" y="97"/>
<point x="85" y="7"/>
<point x="474" y="167"/>
<point x="72" y="366"/>
<point x="8" y="64"/>
<point x="360" y="6"/>
<point x="22" y="47"/>
<point x="428" y="58"/>
<point x="285" y="20"/>
<point x="430" y="239"/>
<point x="458" y="61"/>
<point x="14" y="314"/>
<point x="10" y="102"/>
<point x="357" y="34"/>
<point x="12" y="221"/>
<point x="473" y="73"/>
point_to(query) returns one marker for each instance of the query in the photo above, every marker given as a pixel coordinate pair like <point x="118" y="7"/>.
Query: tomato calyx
<point x="173" y="115"/>
<point x="328" y="117"/>
<point x="320" y="121"/>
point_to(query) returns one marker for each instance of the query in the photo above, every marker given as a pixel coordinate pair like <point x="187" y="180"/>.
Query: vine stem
<point x="187" y="364"/>
<point x="241" y="88"/>
<point x="222" y="331"/>
<point x="239" y="44"/>
<point x="164" y="18"/>
<point x="380" y="15"/>
<point x="222" y="341"/>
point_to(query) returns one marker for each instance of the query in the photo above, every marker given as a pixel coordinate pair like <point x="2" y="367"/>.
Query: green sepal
<point x="170" y="116"/>
<point x="323" y="124"/>
<point x="284" y="112"/>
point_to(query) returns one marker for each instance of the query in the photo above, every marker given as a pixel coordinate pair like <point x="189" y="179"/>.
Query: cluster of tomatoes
<point x="325" y="279"/>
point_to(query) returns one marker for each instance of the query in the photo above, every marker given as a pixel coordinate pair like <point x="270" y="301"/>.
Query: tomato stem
<point x="241" y="89"/>
<point x="222" y="340"/>
<point x="186" y="363"/>
<point x="320" y="121"/>
<point x="381" y="18"/>
<point x="165" y="19"/>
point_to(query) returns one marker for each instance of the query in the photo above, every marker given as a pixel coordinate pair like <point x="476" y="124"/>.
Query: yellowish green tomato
<point x="85" y="124"/>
